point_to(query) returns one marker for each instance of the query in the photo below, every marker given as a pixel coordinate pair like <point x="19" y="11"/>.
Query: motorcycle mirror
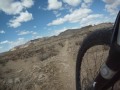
<point x="118" y="37"/>
<point x="116" y="30"/>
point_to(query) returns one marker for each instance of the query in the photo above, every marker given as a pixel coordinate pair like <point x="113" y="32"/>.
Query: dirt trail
<point x="67" y="68"/>
<point x="55" y="73"/>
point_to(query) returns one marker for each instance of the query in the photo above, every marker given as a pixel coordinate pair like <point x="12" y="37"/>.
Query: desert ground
<point x="45" y="63"/>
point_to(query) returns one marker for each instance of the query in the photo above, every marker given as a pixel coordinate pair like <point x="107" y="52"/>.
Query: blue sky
<point x="23" y="20"/>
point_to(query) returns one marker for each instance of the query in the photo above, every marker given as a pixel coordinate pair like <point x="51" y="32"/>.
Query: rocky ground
<point x="46" y="64"/>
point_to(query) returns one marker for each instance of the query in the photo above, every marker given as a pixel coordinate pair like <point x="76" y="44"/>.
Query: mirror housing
<point x="118" y="36"/>
<point x="116" y="31"/>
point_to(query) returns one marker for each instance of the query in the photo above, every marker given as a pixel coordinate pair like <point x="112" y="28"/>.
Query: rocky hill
<point x="45" y="63"/>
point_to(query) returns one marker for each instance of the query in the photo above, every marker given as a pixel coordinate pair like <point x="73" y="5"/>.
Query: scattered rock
<point x="17" y="80"/>
<point x="36" y="68"/>
<point x="42" y="76"/>
<point x="10" y="81"/>
<point x="19" y="71"/>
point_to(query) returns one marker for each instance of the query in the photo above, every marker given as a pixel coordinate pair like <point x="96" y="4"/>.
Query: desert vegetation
<point x="48" y="63"/>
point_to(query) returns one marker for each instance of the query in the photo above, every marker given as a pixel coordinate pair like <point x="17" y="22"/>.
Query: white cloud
<point x="112" y="6"/>
<point x="57" y="14"/>
<point x="84" y="16"/>
<point x="18" y="42"/>
<point x="27" y="3"/>
<point x="57" y="32"/>
<point x="27" y="32"/>
<point x="10" y="7"/>
<point x="36" y="37"/>
<point x="3" y="49"/>
<point x="95" y="19"/>
<point x="54" y="4"/>
<point x="23" y="17"/>
<point x="13" y="7"/>
<point x="73" y="17"/>
<point x="2" y="31"/>
<point x="5" y="42"/>
<point x="17" y="8"/>
<point x="57" y="22"/>
<point x="91" y="17"/>
<point x="72" y="2"/>
<point x="11" y="44"/>
<point x="86" y="3"/>
<point x="91" y="20"/>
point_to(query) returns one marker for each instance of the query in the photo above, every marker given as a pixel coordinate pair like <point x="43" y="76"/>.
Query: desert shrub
<point x="47" y="52"/>
<point x="47" y="55"/>
<point x="44" y="52"/>
<point x="44" y="56"/>
<point x="9" y="71"/>
<point x="41" y="50"/>
<point x="61" y="44"/>
<point x="54" y="53"/>
<point x="3" y="61"/>
<point x="29" y="86"/>
<point x="50" y="48"/>
<point x="77" y="43"/>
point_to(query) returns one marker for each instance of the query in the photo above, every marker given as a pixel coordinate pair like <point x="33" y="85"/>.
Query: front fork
<point x="110" y="70"/>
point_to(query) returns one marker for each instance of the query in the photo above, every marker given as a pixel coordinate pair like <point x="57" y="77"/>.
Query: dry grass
<point x="42" y="52"/>
<point x="40" y="77"/>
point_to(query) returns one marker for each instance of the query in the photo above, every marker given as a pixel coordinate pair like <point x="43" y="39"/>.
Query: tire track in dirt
<point x="67" y="68"/>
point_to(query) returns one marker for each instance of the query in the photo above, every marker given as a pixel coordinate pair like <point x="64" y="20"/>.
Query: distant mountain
<point x="68" y="33"/>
